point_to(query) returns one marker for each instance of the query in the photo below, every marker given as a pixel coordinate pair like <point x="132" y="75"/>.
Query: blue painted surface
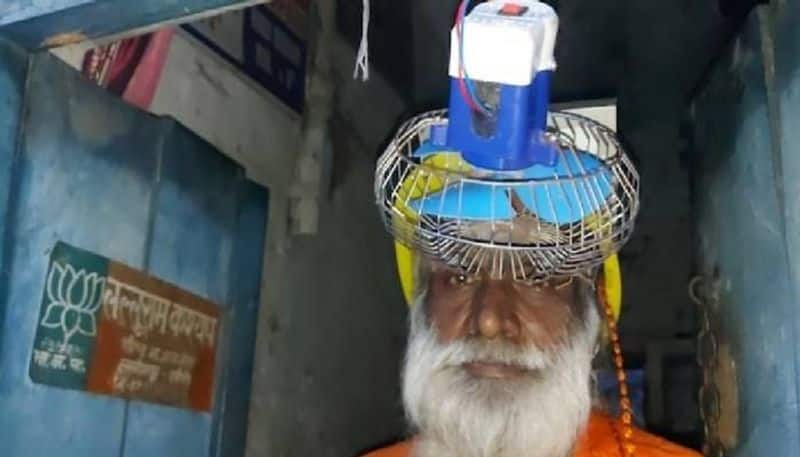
<point x="18" y="10"/>
<point x="76" y="145"/>
<point x="510" y="139"/>
<point x="283" y="72"/>
<point x="566" y="201"/>
<point x="103" y="176"/>
<point x="193" y="234"/>
<point x="230" y="436"/>
<point x="31" y="23"/>
<point x="12" y="82"/>
<point x="742" y="195"/>
<point x="787" y="98"/>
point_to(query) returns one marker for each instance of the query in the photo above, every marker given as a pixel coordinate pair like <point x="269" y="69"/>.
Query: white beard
<point x="458" y="415"/>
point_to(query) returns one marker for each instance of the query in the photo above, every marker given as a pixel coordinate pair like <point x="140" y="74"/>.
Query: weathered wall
<point x="666" y="48"/>
<point x="35" y="24"/>
<point x="332" y="325"/>
<point x="332" y="329"/>
<point x="232" y="112"/>
<point x="746" y="187"/>
<point x="90" y="171"/>
<point x="12" y="86"/>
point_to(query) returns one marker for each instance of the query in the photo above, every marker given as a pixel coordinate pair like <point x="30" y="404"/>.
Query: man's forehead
<point x="499" y="267"/>
<point x="496" y="270"/>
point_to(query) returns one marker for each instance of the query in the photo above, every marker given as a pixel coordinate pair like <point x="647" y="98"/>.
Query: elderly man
<point x="498" y="367"/>
<point x="507" y="210"/>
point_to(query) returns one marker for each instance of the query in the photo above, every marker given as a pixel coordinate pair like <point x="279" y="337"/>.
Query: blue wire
<point x="469" y="83"/>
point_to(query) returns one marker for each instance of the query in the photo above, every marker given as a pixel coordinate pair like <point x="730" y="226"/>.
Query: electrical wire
<point x="465" y="84"/>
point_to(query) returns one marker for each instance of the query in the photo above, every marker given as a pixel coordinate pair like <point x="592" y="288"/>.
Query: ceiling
<point x="599" y="42"/>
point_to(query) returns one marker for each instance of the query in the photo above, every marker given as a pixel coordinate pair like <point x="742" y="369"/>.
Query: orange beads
<point x="627" y="448"/>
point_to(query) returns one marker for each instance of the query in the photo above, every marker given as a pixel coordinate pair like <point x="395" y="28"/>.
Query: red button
<point x="512" y="9"/>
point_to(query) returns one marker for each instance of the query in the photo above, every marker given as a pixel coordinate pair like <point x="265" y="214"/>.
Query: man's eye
<point x="461" y="280"/>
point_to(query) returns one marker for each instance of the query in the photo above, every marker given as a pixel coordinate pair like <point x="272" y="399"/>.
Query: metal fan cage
<point x="524" y="247"/>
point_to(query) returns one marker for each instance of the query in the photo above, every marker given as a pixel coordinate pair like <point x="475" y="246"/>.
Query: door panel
<point x="99" y="175"/>
<point x="192" y="242"/>
<point x="88" y="185"/>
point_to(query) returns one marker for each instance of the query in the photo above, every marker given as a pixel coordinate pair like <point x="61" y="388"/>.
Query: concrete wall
<point x="332" y="329"/>
<point x="210" y="97"/>
<point x="332" y="322"/>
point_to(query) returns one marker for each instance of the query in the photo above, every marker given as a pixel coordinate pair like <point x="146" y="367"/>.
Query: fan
<point x="497" y="183"/>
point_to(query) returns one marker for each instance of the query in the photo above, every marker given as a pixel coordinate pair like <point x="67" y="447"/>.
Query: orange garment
<point x="599" y="440"/>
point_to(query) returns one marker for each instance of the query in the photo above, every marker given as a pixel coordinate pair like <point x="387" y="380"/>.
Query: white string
<point x="362" y="59"/>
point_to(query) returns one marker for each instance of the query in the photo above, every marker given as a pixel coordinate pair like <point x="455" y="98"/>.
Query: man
<point x="498" y="367"/>
<point x="498" y="250"/>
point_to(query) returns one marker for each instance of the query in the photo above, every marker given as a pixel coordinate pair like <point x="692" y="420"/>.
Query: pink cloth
<point x="142" y="86"/>
<point x="137" y="66"/>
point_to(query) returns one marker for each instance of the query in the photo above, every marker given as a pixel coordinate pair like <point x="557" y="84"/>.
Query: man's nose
<point x="494" y="315"/>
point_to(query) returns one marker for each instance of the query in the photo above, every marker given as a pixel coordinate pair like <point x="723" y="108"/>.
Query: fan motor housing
<point x="506" y="48"/>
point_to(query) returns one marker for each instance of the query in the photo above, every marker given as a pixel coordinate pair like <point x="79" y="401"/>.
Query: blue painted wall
<point x="100" y="175"/>
<point x="747" y="182"/>
<point x="12" y="83"/>
<point x="33" y="23"/>
<point x="785" y="28"/>
<point x="229" y="434"/>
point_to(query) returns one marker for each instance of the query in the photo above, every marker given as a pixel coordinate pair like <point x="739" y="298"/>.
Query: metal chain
<point x="706" y="297"/>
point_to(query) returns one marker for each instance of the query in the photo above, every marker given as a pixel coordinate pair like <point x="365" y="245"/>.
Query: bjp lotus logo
<point x="73" y="300"/>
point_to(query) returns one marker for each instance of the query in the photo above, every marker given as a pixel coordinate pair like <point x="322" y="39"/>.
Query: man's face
<point x="518" y="313"/>
<point x="498" y="367"/>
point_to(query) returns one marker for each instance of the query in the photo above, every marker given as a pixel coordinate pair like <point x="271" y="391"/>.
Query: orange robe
<point x="599" y="440"/>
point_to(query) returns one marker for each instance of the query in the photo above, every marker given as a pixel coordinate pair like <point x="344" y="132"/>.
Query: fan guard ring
<point x="558" y="224"/>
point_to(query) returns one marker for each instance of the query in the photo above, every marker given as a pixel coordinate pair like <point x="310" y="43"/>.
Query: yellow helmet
<point x="611" y="275"/>
<point x="410" y="188"/>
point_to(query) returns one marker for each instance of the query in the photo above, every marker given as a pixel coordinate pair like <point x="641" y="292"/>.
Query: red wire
<point x="462" y="86"/>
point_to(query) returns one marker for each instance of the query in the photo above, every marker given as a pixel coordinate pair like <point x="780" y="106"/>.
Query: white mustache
<point x="458" y="353"/>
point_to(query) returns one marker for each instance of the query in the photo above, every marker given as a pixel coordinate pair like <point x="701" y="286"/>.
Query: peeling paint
<point x="63" y="39"/>
<point x="218" y="85"/>
<point x="94" y="130"/>
<point x="739" y="193"/>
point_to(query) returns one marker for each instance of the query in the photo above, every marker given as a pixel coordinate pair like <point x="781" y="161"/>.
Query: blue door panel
<point x="89" y="187"/>
<point x="80" y="166"/>
<point x="229" y="435"/>
<point x="192" y="244"/>
<point x="13" y="72"/>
